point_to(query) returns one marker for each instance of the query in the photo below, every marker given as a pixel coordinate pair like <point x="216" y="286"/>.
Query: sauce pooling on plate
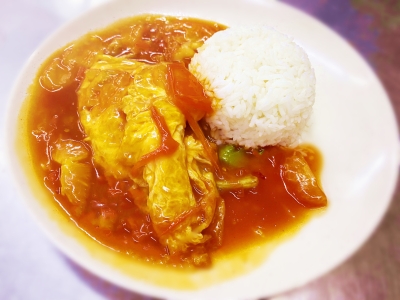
<point x="117" y="132"/>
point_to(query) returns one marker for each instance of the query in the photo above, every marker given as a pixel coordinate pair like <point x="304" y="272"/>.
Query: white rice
<point x="261" y="83"/>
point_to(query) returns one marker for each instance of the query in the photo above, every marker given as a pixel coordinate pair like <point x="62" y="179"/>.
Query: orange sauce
<point x="253" y="216"/>
<point x="266" y="212"/>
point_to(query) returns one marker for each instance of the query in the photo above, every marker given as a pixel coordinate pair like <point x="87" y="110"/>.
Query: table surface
<point x="32" y="268"/>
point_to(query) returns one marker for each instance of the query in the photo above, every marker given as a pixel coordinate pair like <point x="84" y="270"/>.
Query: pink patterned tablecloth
<point x="31" y="268"/>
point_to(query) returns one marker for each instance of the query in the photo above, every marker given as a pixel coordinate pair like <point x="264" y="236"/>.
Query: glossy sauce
<point x="266" y="212"/>
<point x="252" y="216"/>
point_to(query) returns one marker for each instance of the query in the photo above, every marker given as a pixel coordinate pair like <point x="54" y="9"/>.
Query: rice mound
<point x="261" y="84"/>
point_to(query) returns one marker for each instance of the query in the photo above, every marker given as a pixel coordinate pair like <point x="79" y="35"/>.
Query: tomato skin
<point x="168" y="145"/>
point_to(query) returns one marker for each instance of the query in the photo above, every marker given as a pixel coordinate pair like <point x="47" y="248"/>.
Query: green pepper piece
<point x="232" y="156"/>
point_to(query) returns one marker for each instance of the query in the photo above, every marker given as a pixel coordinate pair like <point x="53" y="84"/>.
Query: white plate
<point x="354" y="127"/>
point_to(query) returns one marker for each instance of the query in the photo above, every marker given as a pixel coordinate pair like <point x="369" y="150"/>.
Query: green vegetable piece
<point x="232" y="156"/>
<point x="246" y="182"/>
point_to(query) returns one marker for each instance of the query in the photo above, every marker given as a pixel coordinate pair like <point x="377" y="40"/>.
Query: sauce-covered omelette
<point x="116" y="129"/>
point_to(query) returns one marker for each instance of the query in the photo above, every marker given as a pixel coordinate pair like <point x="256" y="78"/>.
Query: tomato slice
<point x="188" y="93"/>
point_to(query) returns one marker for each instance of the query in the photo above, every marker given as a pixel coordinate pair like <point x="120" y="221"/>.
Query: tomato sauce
<point x="268" y="211"/>
<point x="253" y="216"/>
